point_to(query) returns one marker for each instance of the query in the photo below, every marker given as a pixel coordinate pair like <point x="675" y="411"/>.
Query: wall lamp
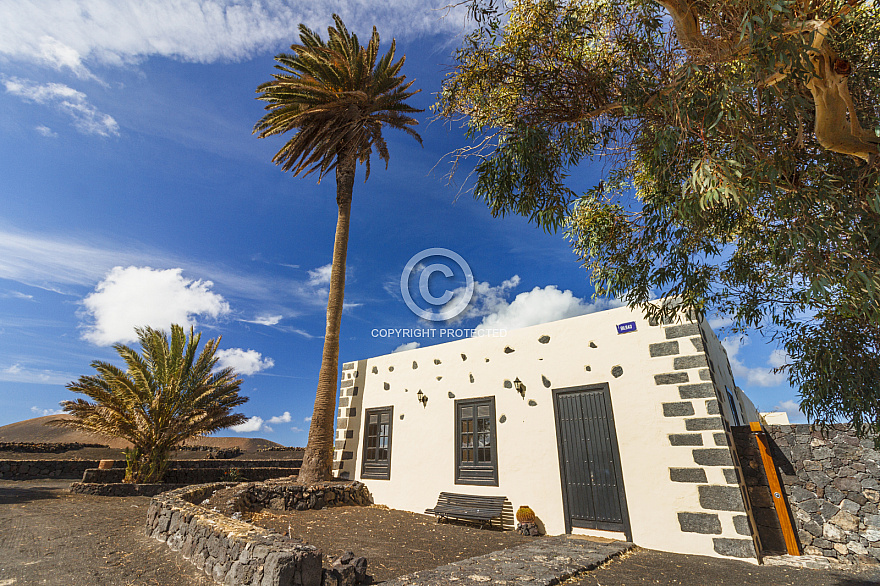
<point x="422" y="398"/>
<point x="520" y="387"/>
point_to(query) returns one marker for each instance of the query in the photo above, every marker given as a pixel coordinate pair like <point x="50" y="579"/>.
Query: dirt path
<point x="49" y="536"/>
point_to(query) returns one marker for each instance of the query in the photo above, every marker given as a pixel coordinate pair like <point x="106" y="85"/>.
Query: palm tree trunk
<point x="318" y="455"/>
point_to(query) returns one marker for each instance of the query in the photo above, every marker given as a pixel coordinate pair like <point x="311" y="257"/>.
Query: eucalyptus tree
<point x="734" y="147"/>
<point x="168" y="393"/>
<point x="336" y="98"/>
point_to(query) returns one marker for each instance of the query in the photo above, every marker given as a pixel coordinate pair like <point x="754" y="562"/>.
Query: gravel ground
<point x="395" y="543"/>
<point x="49" y="536"/>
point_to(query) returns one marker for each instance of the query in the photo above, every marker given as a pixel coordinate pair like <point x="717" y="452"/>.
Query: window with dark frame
<point x="733" y="410"/>
<point x="377" y="443"/>
<point x="476" y="456"/>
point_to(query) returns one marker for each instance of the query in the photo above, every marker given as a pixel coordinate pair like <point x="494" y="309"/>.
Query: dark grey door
<point x="589" y="461"/>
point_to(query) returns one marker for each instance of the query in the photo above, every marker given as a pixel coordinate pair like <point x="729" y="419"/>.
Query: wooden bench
<point x="481" y="509"/>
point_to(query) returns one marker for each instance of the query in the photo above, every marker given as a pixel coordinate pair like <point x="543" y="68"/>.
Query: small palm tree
<point x="169" y="393"/>
<point x="336" y="97"/>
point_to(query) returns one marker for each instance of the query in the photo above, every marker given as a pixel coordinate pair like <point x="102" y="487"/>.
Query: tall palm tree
<point x="168" y="394"/>
<point x="336" y="97"/>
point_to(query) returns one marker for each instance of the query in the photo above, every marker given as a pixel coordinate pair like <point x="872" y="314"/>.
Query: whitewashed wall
<point x="681" y="486"/>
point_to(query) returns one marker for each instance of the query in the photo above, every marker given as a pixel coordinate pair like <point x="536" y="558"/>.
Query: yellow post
<point x="776" y="490"/>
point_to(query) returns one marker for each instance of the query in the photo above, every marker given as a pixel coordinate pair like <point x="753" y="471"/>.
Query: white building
<point x="620" y="429"/>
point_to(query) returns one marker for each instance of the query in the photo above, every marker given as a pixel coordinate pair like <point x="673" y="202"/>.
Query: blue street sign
<point x="629" y="326"/>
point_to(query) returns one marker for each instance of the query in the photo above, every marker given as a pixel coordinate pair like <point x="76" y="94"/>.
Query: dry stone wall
<point x="30" y="469"/>
<point x="833" y="488"/>
<point x="228" y="550"/>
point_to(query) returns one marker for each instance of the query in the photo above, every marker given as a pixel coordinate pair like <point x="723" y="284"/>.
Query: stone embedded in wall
<point x="712" y="457"/>
<point x="463" y="357"/>
<point x="471" y="376"/>
<point x="717" y="497"/>
<point x="712" y="407"/>
<point x="705" y="374"/>
<point x="348" y="365"/>
<point x="720" y="439"/>
<point x="439" y="378"/>
<point x="705" y="523"/>
<point x="741" y="525"/>
<point x="731" y="476"/>
<point x="593" y="344"/>
<point x="685" y="362"/>
<point x="386" y="386"/>
<point x="390" y="369"/>
<point x="697" y="391"/>
<point x="436" y="361"/>
<point x="682" y="331"/>
<point x="544" y="339"/>
<point x="375" y="370"/>
<point x="503" y="418"/>
<point x="686" y="439"/>
<point x="508" y="350"/>
<point x="508" y="384"/>
<point x="703" y="424"/>
<point x="343" y="401"/>
<point x="450" y="394"/>
<point x="671" y="378"/>
<point x="617" y="371"/>
<point x="687" y="475"/>
<point x="677" y="409"/>
<point x="415" y="365"/>
<point x="698" y="344"/>
<point x="587" y="368"/>
<point x="663" y="349"/>
<point x="347" y="383"/>
<point x="532" y="403"/>
<point x="545" y="381"/>
<point x="737" y="548"/>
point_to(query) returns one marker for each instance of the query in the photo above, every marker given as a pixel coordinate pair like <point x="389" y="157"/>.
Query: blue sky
<point x="134" y="193"/>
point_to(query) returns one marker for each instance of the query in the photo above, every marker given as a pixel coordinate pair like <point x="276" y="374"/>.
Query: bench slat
<point x="467" y="506"/>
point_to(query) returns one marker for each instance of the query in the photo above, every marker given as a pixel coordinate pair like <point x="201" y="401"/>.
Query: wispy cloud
<point x="246" y="362"/>
<point x="46" y="131"/>
<point x="407" y="346"/>
<point x="86" y="118"/>
<point x="141" y="296"/>
<point x="43" y="412"/>
<point x="16" y="373"/>
<point x="759" y="376"/>
<point x="793" y="409"/>
<point x="67" y="34"/>
<point x="265" y="320"/>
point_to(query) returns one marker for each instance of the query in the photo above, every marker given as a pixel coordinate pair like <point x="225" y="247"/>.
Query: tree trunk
<point x="318" y="455"/>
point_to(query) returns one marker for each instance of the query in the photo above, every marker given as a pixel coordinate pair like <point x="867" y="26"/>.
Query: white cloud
<point x="540" y="305"/>
<point x="142" y="296"/>
<point x="17" y="373"/>
<point x="407" y="346"/>
<point x="297" y="429"/>
<point x="43" y="412"/>
<point x="307" y="419"/>
<point x="46" y="131"/>
<point x="320" y="276"/>
<point x="254" y="423"/>
<point x="257" y="423"/>
<point x="759" y="376"/>
<point x="243" y="361"/>
<point x="86" y="118"/>
<point x="284" y="418"/>
<point x="266" y="320"/>
<point x="793" y="409"/>
<point x="66" y="34"/>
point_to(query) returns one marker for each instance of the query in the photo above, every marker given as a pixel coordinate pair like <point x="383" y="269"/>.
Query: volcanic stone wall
<point x="31" y="469"/>
<point x="833" y="488"/>
<point x="228" y="550"/>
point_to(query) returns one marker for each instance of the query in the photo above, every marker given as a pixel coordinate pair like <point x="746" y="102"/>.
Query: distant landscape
<point x="35" y="430"/>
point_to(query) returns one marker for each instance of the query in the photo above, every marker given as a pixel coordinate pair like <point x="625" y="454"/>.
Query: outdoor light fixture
<point x="520" y="387"/>
<point x="422" y="398"/>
